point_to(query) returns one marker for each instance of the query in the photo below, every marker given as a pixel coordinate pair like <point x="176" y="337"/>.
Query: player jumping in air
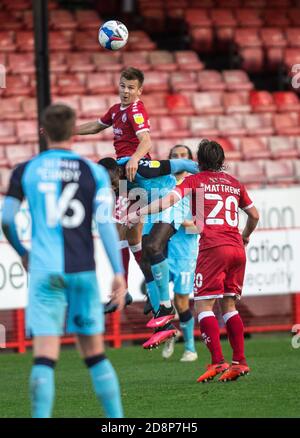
<point x="216" y="197"/>
<point x="64" y="192"/>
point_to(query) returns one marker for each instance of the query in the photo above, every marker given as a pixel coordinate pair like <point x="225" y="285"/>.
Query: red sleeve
<point x="138" y="118"/>
<point x="107" y="118"/>
<point x="188" y="185"/>
<point x="245" y="201"/>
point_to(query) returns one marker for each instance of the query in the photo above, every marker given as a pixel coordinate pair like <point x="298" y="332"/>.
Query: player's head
<point x="180" y="151"/>
<point x="210" y="155"/>
<point x="131" y="85"/>
<point x="113" y="170"/>
<point x="58" y="121"/>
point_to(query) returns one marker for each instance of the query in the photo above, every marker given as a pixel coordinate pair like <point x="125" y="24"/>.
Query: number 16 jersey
<point x="216" y="197"/>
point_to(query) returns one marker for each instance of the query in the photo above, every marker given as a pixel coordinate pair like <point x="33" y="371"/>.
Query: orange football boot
<point x="212" y="371"/>
<point x="234" y="372"/>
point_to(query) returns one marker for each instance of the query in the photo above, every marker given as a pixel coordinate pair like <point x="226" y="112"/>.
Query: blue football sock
<point x="153" y="294"/>
<point x="187" y="328"/>
<point x="107" y="389"/>
<point x="161" y="274"/>
<point x="42" y="391"/>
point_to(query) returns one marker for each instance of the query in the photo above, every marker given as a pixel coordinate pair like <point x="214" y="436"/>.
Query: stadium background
<point x="225" y="70"/>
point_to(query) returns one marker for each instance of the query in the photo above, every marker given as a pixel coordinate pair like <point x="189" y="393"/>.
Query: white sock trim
<point x="136" y="248"/>
<point x="205" y="314"/>
<point x="123" y="244"/>
<point x="229" y="315"/>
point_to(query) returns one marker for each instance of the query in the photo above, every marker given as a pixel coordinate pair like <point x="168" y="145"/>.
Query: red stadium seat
<point x="197" y="17"/>
<point x="276" y="17"/>
<point x="291" y="57"/>
<point x="282" y="147"/>
<point x="252" y="59"/>
<point x="236" y="102"/>
<point x="296" y="170"/>
<point x="72" y="101"/>
<point x="10" y="108"/>
<point x="183" y="81"/>
<point x="104" y="148"/>
<point x="18" y="85"/>
<point x="259" y="124"/>
<point x="7" y="41"/>
<point x="21" y="62"/>
<point x="188" y="60"/>
<point x="85" y="41"/>
<point x="107" y="61"/>
<point x="25" y="41"/>
<point x="208" y="102"/>
<point x="27" y="131"/>
<point x="3" y="159"/>
<point x="17" y="154"/>
<point x="222" y="18"/>
<point x="29" y="106"/>
<point x="273" y="37"/>
<point x="28" y="20"/>
<point x="254" y="148"/>
<point x="231" y="152"/>
<point x="139" y="59"/>
<point x="231" y="125"/>
<point x="162" y="147"/>
<point x="87" y="19"/>
<point x="100" y="83"/>
<point x="61" y="19"/>
<point x="293" y="36"/>
<point x="247" y="37"/>
<point x="248" y="17"/>
<point x="294" y="16"/>
<point x="70" y="84"/>
<point x="280" y="172"/>
<point x="86" y="149"/>
<point x="4" y="179"/>
<point x="60" y="41"/>
<point x="204" y="126"/>
<point x="162" y="60"/>
<point x="201" y="39"/>
<point x="173" y="127"/>
<point x="93" y="106"/>
<point x="179" y="104"/>
<point x="251" y="172"/>
<point x="58" y="63"/>
<point x="236" y="80"/>
<point x="155" y="103"/>
<point x="274" y="57"/>
<point x="286" y="101"/>
<point x="156" y="81"/>
<point x="262" y="101"/>
<point x="211" y="80"/>
<point x="8" y="22"/>
<point x="80" y="62"/>
<point x="7" y="133"/>
<point x="287" y="123"/>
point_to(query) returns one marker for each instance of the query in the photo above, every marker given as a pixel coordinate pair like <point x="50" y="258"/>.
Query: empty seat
<point x="296" y="170"/>
<point x="62" y="19"/>
<point x="188" y="60"/>
<point x="87" y="19"/>
<point x="259" y="124"/>
<point x="162" y="60"/>
<point x="201" y="39"/>
<point x="294" y="16"/>
<point x="251" y="172"/>
<point x="282" y="147"/>
<point x="179" y="104"/>
<point x="236" y="80"/>
<point x="247" y="17"/>
<point x="107" y="61"/>
<point x="4" y="179"/>
<point x="7" y="133"/>
<point x="183" y="81"/>
<point x="25" y="41"/>
<point x="291" y="57"/>
<point x="252" y="59"/>
<point x="58" y="63"/>
<point x="101" y="83"/>
<point x="173" y="127"/>
<point x="10" y="108"/>
<point x="223" y="18"/>
<point x="231" y="125"/>
<point x="162" y="147"/>
<point x="29" y="106"/>
<point x="262" y="101"/>
<point x="276" y="17"/>
<point x="70" y="84"/>
<point x="247" y="37"/>
<point x="27" y="131"/>
<point x="254" y="148"/>
<point x="208" y="102"/>
<point x="286" y="101"/>
<point x="7" y="41"/>
<point x="85" y="41"/>
<point x="86" y="149"/>
<point x="287" y="123"/>
<point x="197" y="17"/>
<point x="232" y="153"/>
<point x="156" y="81"/>
<point x="17" y="154"/>
<point x="236" y="102"/>
<point x="211" y="80"/>
<point x="80" y="62"/>
<point x="59" y="41"/>
<point x="18" y="85"/>
<point x="280" y="172"/>
<point x="273" y="37"/>
<point x="293" y="36"/>
<point x="204" y="126"/>
<point x="21" y="62"/>
<point x="104" y="148"/>
<point x="72" y="101"/>
<point x="139" y="59"/>
<point x="93" y="106"/>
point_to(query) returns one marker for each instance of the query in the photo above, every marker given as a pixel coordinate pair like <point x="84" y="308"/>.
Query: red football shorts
<point x="220" y="272"/>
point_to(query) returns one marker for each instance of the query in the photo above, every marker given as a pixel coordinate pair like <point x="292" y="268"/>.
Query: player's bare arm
<point x="141" y="151"/>
<point x="252" y="220"/>
<point x="89" y="128"/>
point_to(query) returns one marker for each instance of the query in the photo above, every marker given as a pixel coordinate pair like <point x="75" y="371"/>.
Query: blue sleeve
<point x="11" y="207"/>
<point x="103" y="206"/>
<point x="179" y="165"/>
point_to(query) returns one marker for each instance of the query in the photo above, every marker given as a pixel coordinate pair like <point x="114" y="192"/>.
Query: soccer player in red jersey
<point x="216" y="197"/>
<point x="131" y="128"/>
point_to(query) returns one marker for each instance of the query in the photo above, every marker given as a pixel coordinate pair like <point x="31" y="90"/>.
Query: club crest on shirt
<point x="138" y="118"/>
<point x="124" y="118"/>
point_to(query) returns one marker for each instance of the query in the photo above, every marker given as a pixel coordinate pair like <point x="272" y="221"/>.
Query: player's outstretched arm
<point x="252" y="221"/>
<point x="143" y="148"/>
<point x="183" y="165"/>
<point x="89" y="128"/>
<point x="11" y="207"/>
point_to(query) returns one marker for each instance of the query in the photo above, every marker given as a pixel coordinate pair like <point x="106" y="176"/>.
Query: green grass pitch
<point x="156" y="388"/>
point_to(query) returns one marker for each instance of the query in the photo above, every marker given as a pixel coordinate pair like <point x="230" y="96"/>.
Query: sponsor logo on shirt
<point x="118" y="131"/>
<point x="124" y="118"/>
<point x="113" y="115"/>
<point x="154" y="164"/>
<point x="138" y="118"/>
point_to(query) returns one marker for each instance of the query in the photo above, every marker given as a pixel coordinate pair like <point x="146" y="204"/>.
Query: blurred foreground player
<point x="216" y="197"/>
<point x="64" y="192"/>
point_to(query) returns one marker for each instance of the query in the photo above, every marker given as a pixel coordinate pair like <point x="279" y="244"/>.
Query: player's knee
<point x="181" y="303"/>
<point x="153" y="248"/>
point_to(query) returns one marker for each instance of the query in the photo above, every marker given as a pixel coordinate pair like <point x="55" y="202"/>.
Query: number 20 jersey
<point x="216" y="198"/>
<point x="63" y="192"/>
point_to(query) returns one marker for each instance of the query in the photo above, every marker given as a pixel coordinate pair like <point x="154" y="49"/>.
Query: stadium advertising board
<point x="273" y="253"/>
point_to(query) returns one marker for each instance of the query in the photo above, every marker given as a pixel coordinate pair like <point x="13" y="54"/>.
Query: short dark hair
<point x="132" y="73"/>
<point x="109" y="163"/>
<point x="190" y="154"/>
<point x="58" y="120"/>
<point x="210" y="155"/>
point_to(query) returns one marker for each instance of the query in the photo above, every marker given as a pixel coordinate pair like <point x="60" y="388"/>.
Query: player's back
<point x="60" y="187"/>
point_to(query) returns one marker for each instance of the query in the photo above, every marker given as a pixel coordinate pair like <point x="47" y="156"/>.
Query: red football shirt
<point x="126" y="123"/>
<point x="216" y="197"/>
